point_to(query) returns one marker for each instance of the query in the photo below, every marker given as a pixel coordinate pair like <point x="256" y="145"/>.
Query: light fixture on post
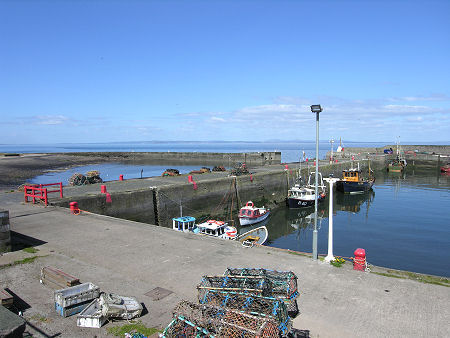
<point x="316" y="108"/>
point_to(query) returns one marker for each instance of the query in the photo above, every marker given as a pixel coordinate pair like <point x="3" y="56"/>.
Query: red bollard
<point x="103" y="189"/>
<point x="190" y="178"/>
<point x="74" y="208"/>
<point x="121" y="178"/>
<point x="359" y="262"/>
<point x="251" y="178"/>
<point x="286" y="167"/>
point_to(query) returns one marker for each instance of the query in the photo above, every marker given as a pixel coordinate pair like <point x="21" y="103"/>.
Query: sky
<point x="112" y="71"/>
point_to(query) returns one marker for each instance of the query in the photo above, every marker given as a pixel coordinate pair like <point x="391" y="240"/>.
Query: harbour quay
<point x="124" y="245"/>
<point x="133" y="258"/>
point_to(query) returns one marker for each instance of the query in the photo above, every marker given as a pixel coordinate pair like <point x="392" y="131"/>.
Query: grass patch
<point x="30" y="250"/>
<point x="25" y="260"/>
<point x="298" y="253"/>
<point x="442" y="281"/>
<point x="337" y="262"/>
<point x="132" y="328"/>
<point x="40" y="318"/>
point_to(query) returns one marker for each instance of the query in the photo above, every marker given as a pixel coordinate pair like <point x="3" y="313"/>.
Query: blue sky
<point x="107" y="71"/>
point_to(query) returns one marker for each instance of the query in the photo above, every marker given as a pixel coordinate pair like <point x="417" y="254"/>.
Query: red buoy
<point x="121" y="178"/>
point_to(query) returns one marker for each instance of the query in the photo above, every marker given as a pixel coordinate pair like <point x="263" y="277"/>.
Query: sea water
<point x="403" y="223"/>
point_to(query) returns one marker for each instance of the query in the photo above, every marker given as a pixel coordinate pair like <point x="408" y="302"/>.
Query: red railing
<point x="39" y="192"/>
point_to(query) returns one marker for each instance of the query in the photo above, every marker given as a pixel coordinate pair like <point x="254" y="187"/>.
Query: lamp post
<point x="330" y="256"/>
<point x="316" y="108"/>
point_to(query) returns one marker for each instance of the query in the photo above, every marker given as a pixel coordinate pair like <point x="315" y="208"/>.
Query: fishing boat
<point x="398" y="164"/>
<point x="304" y="196"/>
<point x="255" y="236"/>
<point x="217" y="229"/>
<point x="184" y="223"/>
<point x="352" y="181"/>
<point x="445" y="168"/>
<point x="249" y="214"/>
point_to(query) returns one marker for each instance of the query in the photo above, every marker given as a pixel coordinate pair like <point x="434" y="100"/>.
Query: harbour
<point x="134" y="227"/>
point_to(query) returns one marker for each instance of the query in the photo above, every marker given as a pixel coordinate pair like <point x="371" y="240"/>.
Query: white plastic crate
<point x="92" y="315"/>
<point x="76" y="294"/>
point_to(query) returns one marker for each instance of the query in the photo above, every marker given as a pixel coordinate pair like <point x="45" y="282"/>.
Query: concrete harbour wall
<point x="225" y="159"/>
<point x="215" y="197"/>
<point x="5" y="233"/>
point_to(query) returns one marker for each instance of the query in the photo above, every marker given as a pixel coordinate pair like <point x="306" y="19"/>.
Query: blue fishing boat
<point x="352" y="182"/>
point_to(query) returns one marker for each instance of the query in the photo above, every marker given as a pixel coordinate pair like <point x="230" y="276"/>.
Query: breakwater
<point x="205" y="158"/>
<point x="157" y="200"/>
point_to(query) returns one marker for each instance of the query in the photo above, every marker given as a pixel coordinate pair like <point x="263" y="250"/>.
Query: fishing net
<point x="284" y="284"/>
<point x="268" y="307"/>
<point x="77" y="179"/>
<point x="256" y="285"/>
<point x="225" y="322"/>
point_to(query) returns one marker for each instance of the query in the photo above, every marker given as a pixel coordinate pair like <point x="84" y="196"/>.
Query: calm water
<point x="290" y="151"/>
<point x="404" y="223"/>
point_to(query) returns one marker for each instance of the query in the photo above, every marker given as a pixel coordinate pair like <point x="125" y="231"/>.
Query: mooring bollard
<point x="121" y="178"/>
<point x="74" y="208"/>
<point x="103" y="189"/>
<point x="190" y="178"/>
<point x="359" y="262"/>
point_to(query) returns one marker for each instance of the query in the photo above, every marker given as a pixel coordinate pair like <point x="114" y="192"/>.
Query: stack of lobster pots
<point x="243" y="302"/>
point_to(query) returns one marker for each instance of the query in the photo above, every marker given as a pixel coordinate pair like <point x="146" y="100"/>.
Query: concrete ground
<point x="130" y="258"/>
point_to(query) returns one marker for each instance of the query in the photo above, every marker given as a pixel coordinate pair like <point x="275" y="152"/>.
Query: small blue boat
<point x="184" y="223"/>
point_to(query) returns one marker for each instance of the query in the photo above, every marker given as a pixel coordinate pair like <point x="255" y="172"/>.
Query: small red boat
<point x="251" y="214"/>
<point x="445" y="168"/>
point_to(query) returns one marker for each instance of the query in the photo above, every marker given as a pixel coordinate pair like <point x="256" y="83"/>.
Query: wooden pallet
<point x="57" y="279"/>
<point x="5" y="298"/>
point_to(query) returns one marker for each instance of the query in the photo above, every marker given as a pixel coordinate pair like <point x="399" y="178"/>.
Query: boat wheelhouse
<point x="249" y="214"/>
<point x="185" y="223"/>
<point x="217" y="229"/>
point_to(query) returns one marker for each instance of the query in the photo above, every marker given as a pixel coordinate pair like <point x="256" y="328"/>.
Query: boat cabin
<point x="251" y="213"/>
<point x="351" y="175"/>
<point x="300" y="193"/>
<point x="212" y="228"/>
<point x="186" y="223"/>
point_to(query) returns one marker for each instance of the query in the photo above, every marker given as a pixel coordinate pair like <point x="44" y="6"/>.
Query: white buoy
<point x="330" y="256"/>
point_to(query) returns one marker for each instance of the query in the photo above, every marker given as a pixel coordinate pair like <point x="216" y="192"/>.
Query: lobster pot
<point x="284" y="283"/>
<point x="181" y="327"/>
<point x="254" y="305"/>
<point x="255" y="285"/>
<point x="225" y="322"/>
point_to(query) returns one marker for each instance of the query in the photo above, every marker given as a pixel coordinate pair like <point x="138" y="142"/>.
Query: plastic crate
<point x="76" y="294"/>
<point x="92" y="315"/>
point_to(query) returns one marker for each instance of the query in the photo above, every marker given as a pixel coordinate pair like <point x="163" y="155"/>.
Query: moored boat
<point x="445" y="168"/>
<point x="254" y="236"/>
<point x="352" y="182"/>
<point x="217" y="229"/>
<point x="249" y="214"/>
<point x="183" y="223"/>
<point x="304" y="196"/>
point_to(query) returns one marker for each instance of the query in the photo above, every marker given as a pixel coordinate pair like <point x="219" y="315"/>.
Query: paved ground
<point x="132" y="258"/>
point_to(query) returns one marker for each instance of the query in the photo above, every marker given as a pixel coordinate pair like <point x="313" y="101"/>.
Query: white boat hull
<point x="248" y="221"/>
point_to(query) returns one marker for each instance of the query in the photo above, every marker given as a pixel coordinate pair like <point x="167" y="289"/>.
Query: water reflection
<point x="285" y="221"/>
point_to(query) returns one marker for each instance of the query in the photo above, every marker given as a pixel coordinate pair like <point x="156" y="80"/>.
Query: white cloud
<point x="217" y="119"/>
<point x="50" y="119"/>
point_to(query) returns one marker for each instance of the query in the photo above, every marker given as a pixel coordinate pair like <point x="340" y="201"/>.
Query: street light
<point x="316" y="108"/>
